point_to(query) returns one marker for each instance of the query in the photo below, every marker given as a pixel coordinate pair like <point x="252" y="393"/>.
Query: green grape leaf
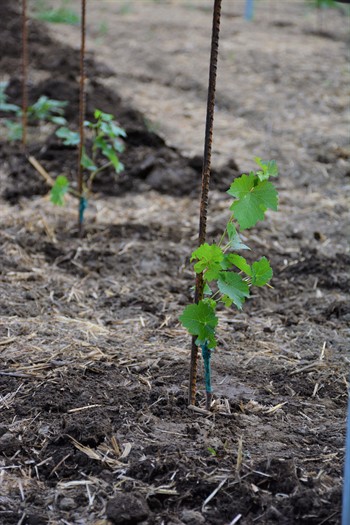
<point x="112" y="130"/>
<point x="88" y="124"/>
<point x="117" y="130"/>
<point x="209" y="258"/>
<point x="200" y="320"/>
<point x="4" y="106"/>
<point x="211" y="302"/>
<point x="14" y="130"/>
<point x="109" y="152"/>
<point x="261" y="272"/>
<point x="44" y="107"/>
<point x="3" y="96"/>
<point x="225" y="263"/>
<point x="70" y="138"/>
<point x="58" y="190"/>
<point x="207" y="290"/>
<point x="254" y="198"/>
<point x="269" y="169"/>
<point x="118" y="146"/>
<point x="235" y="242"/>
<point x="86" y="162"/>
<point x="105" y="117"/>
<point x="100" y="143"/>
<point x="60" y="121"/>
<point x="227" y="301"/>
<point x="233" y="286"/>
<point x="237" y="260"/>
<point x="111" y="155"/>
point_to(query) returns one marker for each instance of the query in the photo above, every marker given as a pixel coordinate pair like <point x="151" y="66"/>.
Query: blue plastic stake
<point x="206" y="354"/>
<point x="249" y="9"/>
<point x="346" y="485"/>
<point x="82" y="207"/>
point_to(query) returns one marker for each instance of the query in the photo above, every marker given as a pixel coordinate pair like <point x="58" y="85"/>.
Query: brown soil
<point x="95" y="426"/>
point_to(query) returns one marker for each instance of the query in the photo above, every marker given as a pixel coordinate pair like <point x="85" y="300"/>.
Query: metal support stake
<point x="205" y="179"/>
<point x="81" y="116"/>
<point x="24" y="72"/>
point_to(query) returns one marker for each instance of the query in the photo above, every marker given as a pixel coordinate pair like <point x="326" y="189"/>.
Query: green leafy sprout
<point x="227" y="275"/>
<point x="44" y="109"/>
<point x="59" y="15"/>
<point x="321" y="4"/>
<point x="4" y="105"/>
<point x="47" y="109"/>
<point x="107" y="142"/>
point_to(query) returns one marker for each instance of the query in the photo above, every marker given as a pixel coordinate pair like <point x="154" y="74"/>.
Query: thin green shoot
<point x="227" y="275"/>
<point x="106" y="138"/>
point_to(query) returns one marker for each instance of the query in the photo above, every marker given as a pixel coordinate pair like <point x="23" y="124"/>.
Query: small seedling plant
<point x="44" y="109"/>
<point x="105" y="146"/>
<point x="58" y="15"/>
<point x="321" y="4"/>
<point x="227" y="275"/>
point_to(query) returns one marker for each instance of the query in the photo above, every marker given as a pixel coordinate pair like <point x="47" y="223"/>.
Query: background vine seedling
<point x="44" y="109"/>
<point x="106" y="143"/>
<point x="56" y="15"/>
<point x="320" y="4"/>
<point x="227" y="275"/>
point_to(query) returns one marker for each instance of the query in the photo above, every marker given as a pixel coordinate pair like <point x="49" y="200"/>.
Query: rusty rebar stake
<point x="81" y="114"/>
<point x="24" y="72"/>
<point x="205" y="180"/>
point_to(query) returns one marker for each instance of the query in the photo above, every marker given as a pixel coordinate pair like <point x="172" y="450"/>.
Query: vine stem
<point x="93" y="175"/>
<point x="81" y="110"/>
<point x="225" y="231"/>
<point x="205" y="180"/>
<point x="24" y="72"/>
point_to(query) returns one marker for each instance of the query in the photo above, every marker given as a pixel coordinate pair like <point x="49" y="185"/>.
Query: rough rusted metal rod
<point x="206" y="179"/>
<point x="81" y="112"/>
<point x="24" y="72"/>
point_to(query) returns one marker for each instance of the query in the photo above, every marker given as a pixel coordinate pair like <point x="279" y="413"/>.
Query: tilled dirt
<point x="95" y="425"/>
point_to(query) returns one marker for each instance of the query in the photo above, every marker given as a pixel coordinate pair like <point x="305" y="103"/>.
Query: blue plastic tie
<point x="82" y="207"/>
<point x="346" y="484"/>
<point x="206" y="354"/>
